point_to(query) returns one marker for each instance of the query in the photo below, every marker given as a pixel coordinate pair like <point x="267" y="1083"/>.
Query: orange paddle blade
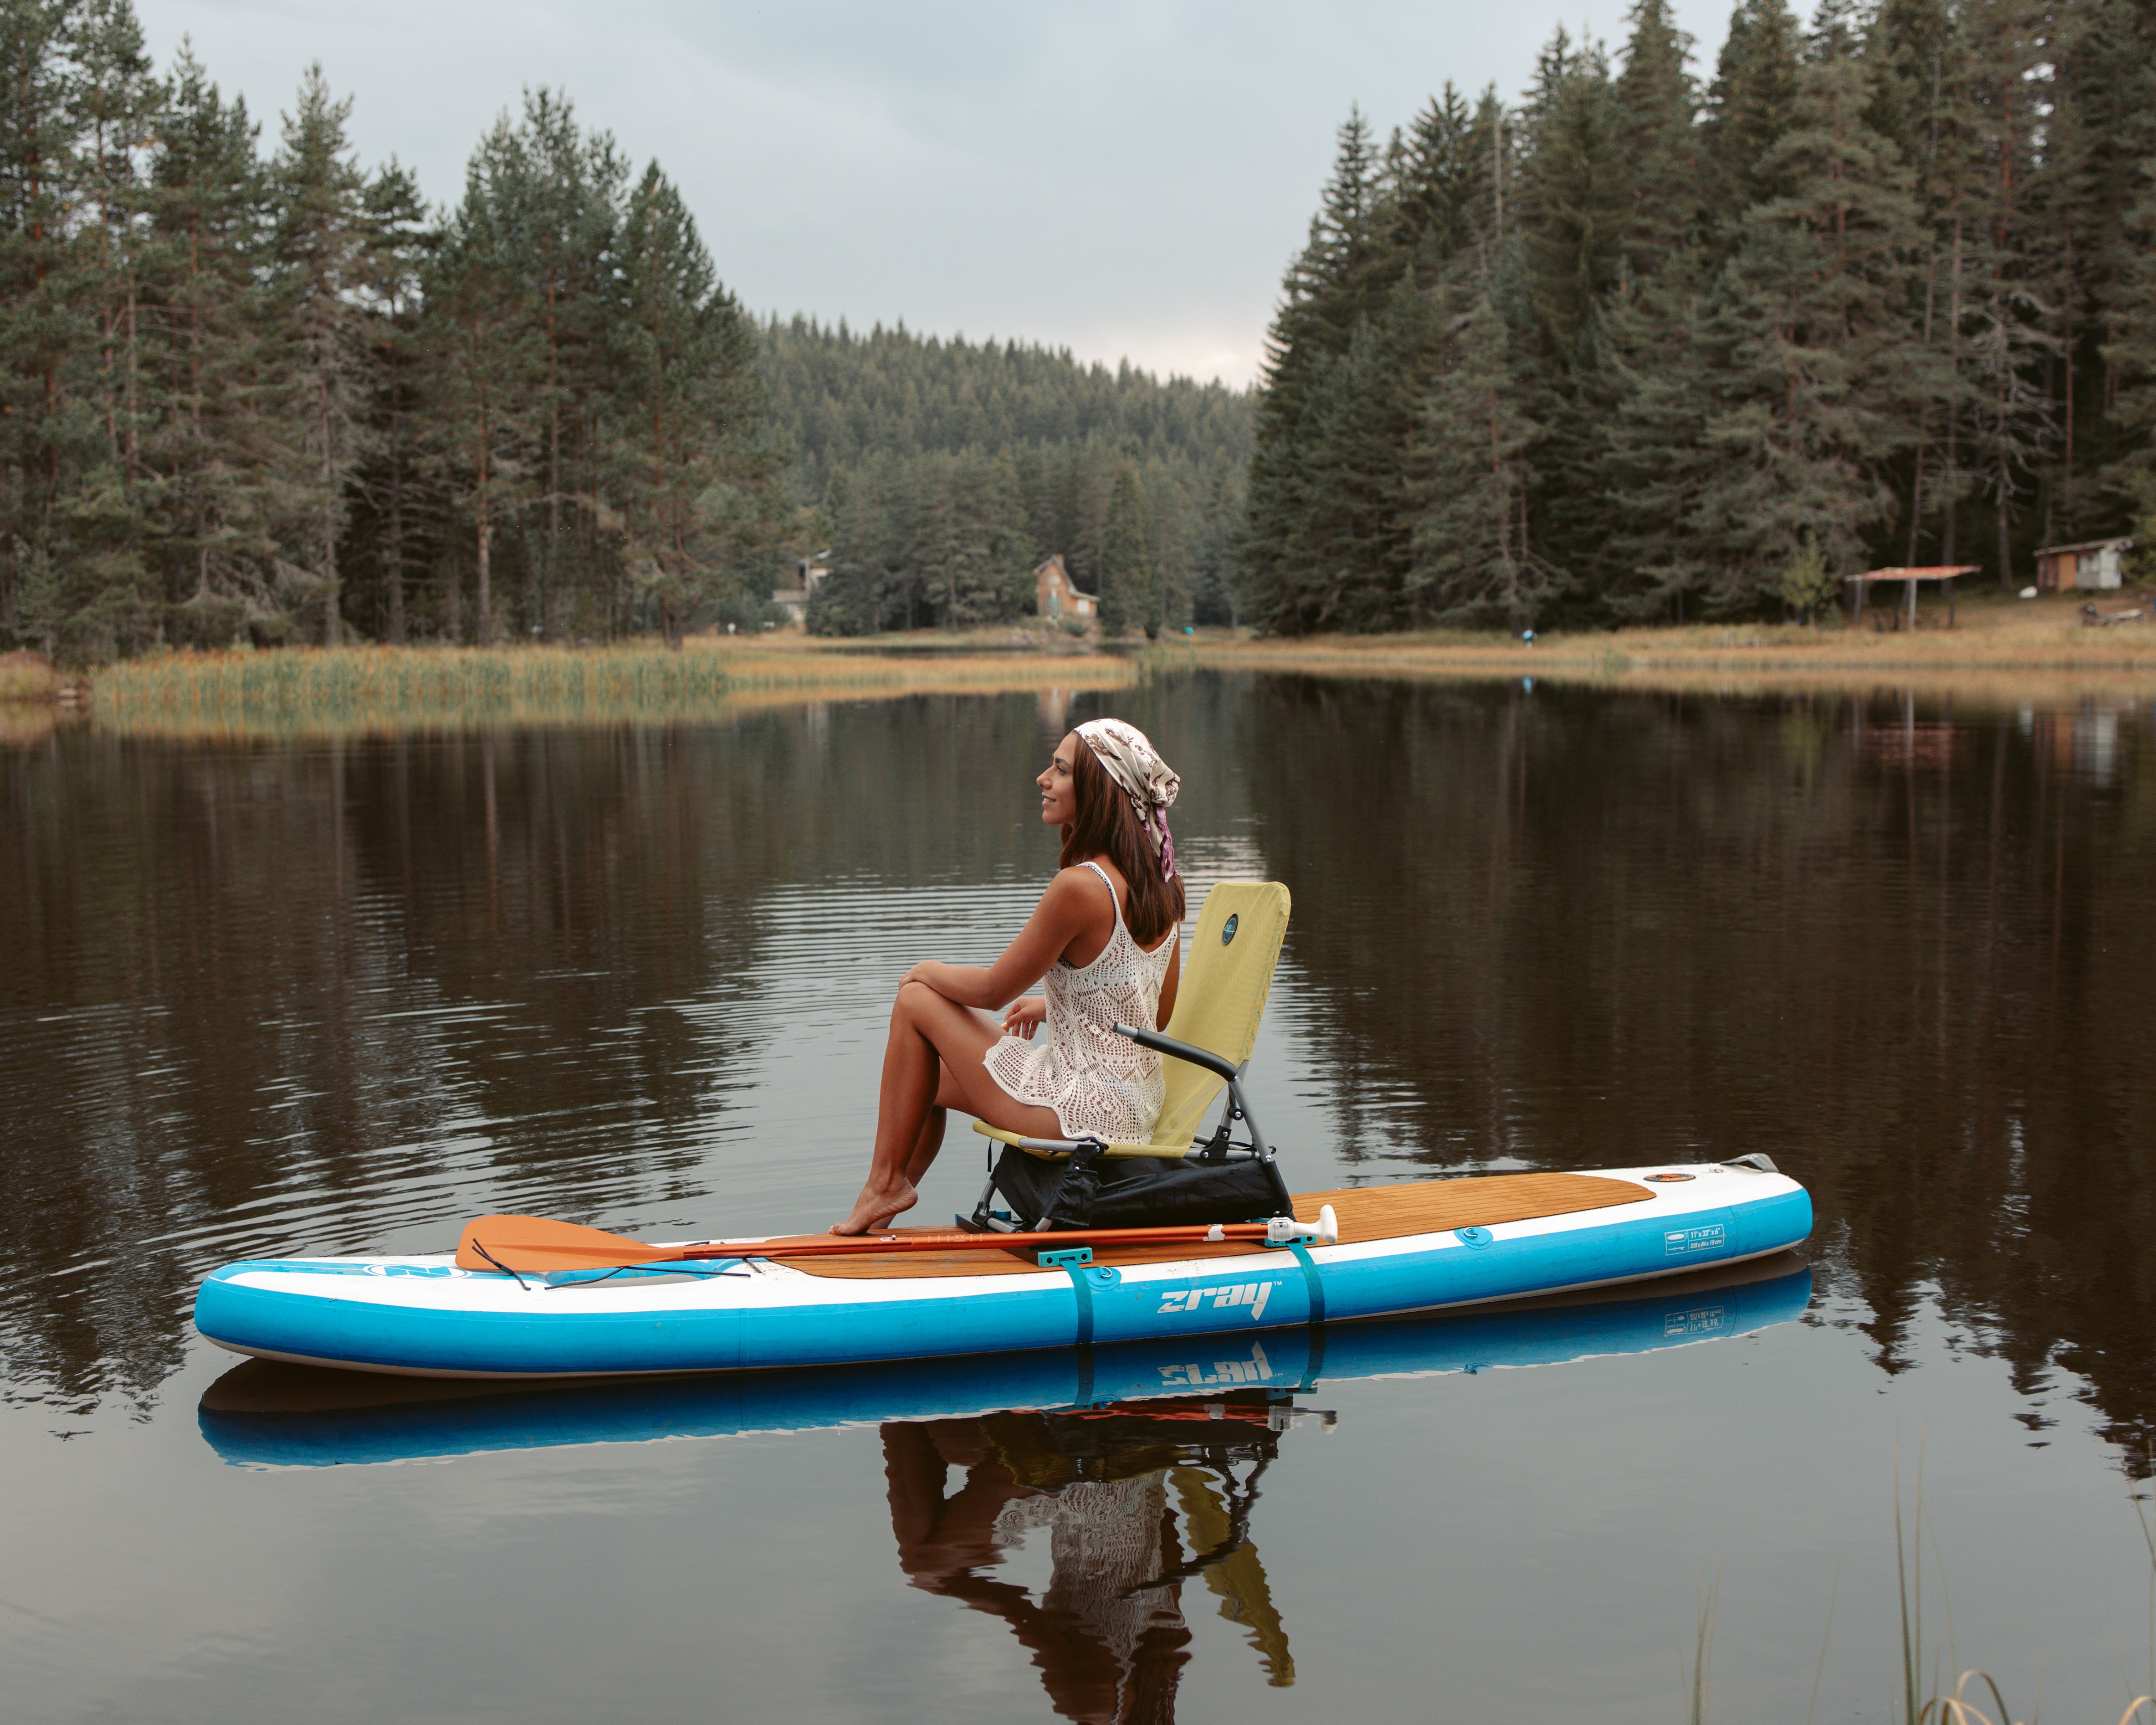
<point x="535" y="1246"/>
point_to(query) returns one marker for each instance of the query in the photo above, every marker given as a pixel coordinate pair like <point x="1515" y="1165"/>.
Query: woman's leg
<point x="932" y="1130"/>
<point x="932" y="1062"/>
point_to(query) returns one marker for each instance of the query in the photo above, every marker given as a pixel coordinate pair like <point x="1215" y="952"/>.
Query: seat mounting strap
<point x="1085" y="1292"/>
<point x="1312" y="1281"/>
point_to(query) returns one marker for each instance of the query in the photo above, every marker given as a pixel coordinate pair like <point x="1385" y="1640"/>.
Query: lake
<point x="278" y="997"/>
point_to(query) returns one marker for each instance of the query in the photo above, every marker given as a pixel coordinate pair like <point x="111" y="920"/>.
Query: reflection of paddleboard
<point x="264" y="1416"/>
<point x="1418" y="1246"/>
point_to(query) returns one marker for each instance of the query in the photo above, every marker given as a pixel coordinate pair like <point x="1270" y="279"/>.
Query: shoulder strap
<point x="1110" y="885"/>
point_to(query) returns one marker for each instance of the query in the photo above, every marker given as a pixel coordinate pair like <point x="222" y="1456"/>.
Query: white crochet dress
<point x="1100" y="1085"/>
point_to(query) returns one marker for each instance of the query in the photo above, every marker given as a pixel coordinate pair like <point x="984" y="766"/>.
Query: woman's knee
<point x="912" y="1002"/>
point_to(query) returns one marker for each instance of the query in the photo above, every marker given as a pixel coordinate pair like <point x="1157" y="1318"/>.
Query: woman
<point x="1104" y="935"/>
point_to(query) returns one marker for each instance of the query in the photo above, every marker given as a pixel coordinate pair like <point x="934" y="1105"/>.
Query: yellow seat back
<point x="1221" y="996"/>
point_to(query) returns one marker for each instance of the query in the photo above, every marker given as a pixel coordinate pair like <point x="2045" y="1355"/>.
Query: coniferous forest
<point x="1880" y="291"/>
<point x="943" y="470"/>
<point x="1647" y="344"/>
<point x="251" y="392"/>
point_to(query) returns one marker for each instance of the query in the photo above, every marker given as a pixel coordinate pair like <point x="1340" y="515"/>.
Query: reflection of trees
<point x="313" y="996"/>
<point x="324" y="996"/>
<point x="1107" y="1634"/>
<point x="1583" y="930"/>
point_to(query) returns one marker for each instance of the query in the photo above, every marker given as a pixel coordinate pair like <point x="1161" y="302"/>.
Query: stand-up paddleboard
<point x="264" y="1415"/>
<point x="1419" y="1246"/>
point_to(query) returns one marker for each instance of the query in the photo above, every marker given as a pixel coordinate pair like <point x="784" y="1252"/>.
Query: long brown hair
<point x="1108" y="826"/>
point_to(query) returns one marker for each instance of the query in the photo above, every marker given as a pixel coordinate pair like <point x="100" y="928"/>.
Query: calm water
<point x="266" y="998"/>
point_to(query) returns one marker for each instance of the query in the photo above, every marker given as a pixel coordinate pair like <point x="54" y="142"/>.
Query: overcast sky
<point x="1122" y="179"/>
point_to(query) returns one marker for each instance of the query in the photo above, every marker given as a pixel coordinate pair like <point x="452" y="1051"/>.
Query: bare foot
<point x="876" y="1205"/>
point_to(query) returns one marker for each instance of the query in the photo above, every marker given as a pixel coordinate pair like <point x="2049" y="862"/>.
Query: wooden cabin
<point x="1055" y="594"/>
<point x="2095" y="563"/>
<point x="809" y="573"/>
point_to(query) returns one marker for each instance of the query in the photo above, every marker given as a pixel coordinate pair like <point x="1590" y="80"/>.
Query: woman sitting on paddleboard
<point x="1104" y="936"/>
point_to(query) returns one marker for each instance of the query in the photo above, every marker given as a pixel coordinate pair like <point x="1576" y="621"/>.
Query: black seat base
<point x="1089" y="1190"/>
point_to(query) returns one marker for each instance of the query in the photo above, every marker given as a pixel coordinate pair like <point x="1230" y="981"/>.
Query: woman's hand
<point x="1021" y="1018"/>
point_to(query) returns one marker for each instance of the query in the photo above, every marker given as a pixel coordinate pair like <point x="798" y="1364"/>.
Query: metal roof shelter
<point x="1931" y="571"/>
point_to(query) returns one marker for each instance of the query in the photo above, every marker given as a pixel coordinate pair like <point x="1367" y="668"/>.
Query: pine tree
<point x="1911" y="45"/>
<point x="1656" y="105"/>
<point x="120" y="102"/>
<point x="218" y="445"/>
<point x="1751" y="102"/>
<point x="1809" y="324"/>
<point x="2100" y="130"/>
<point x="1574" y="207"/>
<point x="1129" y="595"/>
<point x="108" y="594"/>
<point x="556" y="197"/>
<point x="399" y="242"/>
<point x="1573" y="196"/>
<point x="1445" y="196"/>
<point x="2130" y="357"/>
<point x="483" y="370"/>
<point x="695" y="473"/>
<point x="43" y="326"/>
<point x="1217" y="576"/>
<point x="1328" y="295"/>
<point x="1654" y="464"/>
<point x="2100" y="138"/>
<point x="1468" y="505"/>
<point x="321" y="251"/>
<point x="2008" y="339"/>
<point x="1169" y="505"/>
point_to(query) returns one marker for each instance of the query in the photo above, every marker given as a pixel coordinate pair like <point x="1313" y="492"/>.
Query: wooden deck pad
<point x="1366" y="1212"/>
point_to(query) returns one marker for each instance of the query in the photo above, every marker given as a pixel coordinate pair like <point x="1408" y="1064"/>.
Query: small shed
<point x="2095" y="563"/>
<point x="1055" y="594"/>
<point x="809" y="573"/>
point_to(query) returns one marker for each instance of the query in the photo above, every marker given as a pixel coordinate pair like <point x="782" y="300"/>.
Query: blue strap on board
<point x="1312" y="1281"/>
<point x="1085" y="1302"/>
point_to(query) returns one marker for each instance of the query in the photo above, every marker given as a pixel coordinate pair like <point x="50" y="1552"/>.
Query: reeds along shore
<point x="308" y="692"/>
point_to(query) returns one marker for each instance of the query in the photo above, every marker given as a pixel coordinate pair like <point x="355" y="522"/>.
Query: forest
<point x="252" y="396"/>
<point x="944" y="470"/>
<point x="1645" y="346"/>
<point x="251" y="392"/>
<point x="1881" y="292"/>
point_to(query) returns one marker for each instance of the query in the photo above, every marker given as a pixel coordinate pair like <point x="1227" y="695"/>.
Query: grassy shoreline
<point x="2012" y="653"/>
<point x="2038" y="657"/>
<point x="355" y="690"/>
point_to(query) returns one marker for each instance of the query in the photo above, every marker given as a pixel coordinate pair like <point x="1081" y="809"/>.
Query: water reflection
<point x="269" y="998"/>
<point x="1903" y="949"/>
<point x="1105" y="1486"/>
<point x="1143" y="1501"/>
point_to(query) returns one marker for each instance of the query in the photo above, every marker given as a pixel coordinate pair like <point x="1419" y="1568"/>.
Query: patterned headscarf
<point x="1140" y="773"/>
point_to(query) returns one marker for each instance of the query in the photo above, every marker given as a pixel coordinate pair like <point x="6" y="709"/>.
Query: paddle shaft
<point x="953" y="1241"/>
<point x="533" y="1244"/>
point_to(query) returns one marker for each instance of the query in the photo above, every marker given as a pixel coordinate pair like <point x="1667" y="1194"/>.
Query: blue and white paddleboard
<point x="1417" y="1247"/>
<point x="266" y="1415"/>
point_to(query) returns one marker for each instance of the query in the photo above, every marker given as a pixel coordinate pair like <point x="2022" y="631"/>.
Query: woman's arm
<point x="1065" y="911"/>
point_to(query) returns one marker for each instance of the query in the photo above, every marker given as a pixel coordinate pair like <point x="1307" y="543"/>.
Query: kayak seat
<point x="1206" y="1046"/>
